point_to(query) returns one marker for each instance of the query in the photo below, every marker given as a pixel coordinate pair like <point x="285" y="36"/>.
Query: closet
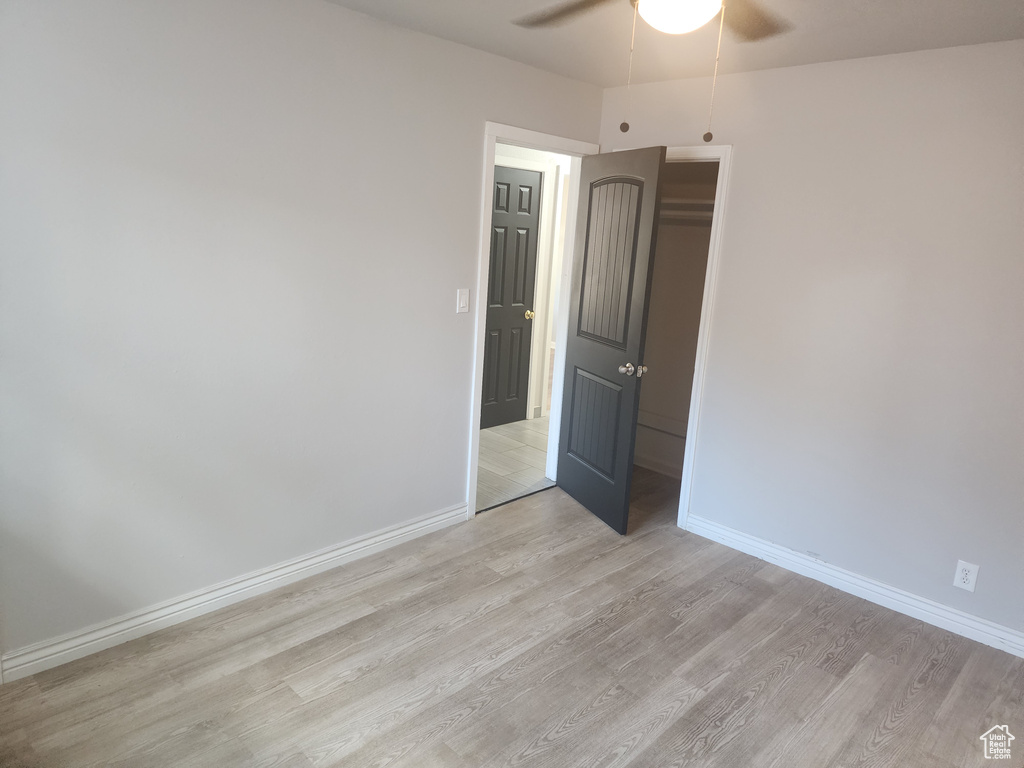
<point x="677" y="288"/>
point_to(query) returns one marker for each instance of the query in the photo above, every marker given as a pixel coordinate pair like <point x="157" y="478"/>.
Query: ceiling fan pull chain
<point x="624" y="126"/>
<point x="714" y="80"/>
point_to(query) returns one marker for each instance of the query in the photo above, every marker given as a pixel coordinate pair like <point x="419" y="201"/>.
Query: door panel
<point x="515" y="221"/>
<point x="608" y="267"/>
<point x="592" y="433"/>
<point x="612" y="266"/>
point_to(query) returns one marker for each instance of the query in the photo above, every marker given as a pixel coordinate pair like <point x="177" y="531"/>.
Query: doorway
<point x="528" y="218"/>
<point x="610" y="318"/>
<point x="674" y="314"/>
<point x="510" y="445"/>
<point x="685" y="206"/>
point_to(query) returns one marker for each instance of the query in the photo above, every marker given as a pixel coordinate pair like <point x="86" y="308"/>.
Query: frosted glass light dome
<point x="675" y="17"/>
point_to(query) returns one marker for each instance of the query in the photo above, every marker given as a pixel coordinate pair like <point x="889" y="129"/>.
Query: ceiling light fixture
<point x="675" y="17"/>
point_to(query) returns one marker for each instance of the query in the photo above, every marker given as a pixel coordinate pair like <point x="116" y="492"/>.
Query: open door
<point x="515" y="221"/>
<point x="612" y="267"/>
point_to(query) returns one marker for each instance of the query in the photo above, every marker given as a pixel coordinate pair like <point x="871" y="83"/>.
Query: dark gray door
<point x="515" y="221"/>
<point x="612" y="266"/>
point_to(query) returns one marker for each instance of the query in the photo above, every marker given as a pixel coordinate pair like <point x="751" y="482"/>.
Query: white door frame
<point x="507" y="134"/>
<point x="495" y="132"/>
<point x="723" y="154"/>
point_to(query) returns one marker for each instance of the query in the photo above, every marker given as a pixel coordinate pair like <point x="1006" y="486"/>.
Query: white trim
<point x="669" y="429"/>
<point x="507" y="134"/>
<point x="666" y="424"/>
<point x="915" y="606"/>
<point x="562" y="194"/>
<point x="561" y="319"/>
<point x="723" y="154"/>
<point x="542" y="292"/>
<point x="60" y="650"/>
<point x="666" y="468"/>
<point x="523" y="137"/>
<point x="567" y="183"/>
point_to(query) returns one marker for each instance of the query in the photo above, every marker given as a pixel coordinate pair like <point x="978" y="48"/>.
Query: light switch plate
<point x="462" y="300"/>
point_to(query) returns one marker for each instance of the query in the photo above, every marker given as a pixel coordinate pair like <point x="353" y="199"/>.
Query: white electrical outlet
<point x="966" y="575"/>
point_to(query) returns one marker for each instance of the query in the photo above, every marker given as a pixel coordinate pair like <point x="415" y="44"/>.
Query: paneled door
<point x="612" y="266"/>
<point x="515" y="221"/>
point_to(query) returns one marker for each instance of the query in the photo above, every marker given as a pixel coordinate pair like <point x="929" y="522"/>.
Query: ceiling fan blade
<point x="750" y="22"/>
<point x="559" y="13"/>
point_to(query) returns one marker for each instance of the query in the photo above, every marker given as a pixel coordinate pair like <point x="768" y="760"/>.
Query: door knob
<point x="641" y="370"/>
<point x="627" y="369"/>
<point x="530" y="314"/>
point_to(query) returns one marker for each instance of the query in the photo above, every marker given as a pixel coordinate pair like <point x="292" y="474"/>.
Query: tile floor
<point x="512" y="460"/>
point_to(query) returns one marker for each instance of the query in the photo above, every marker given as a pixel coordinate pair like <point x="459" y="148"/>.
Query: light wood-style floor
<point x="532" y="636"/>
<point x="512" y="461"/>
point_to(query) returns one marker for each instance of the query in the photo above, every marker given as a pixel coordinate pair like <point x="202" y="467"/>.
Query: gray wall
<point x="230" y="235"/>
<point x="863" y="398"/>
<point x="231" y="232"/>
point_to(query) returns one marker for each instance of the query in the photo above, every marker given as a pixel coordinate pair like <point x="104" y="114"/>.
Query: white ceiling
<point x="595" y="47"/>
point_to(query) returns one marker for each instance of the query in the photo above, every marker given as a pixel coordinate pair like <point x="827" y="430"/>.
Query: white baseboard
<point x="928" y="611"/>
<point x="662" y="423"/>
<point x="667" y="468"/>
<point x="60" y="650"/>
<point x="658" y="447"/>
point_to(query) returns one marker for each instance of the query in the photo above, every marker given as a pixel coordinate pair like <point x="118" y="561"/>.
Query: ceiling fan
<point x="746" y="19"/>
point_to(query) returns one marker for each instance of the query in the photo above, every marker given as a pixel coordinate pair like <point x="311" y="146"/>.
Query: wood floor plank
<point x="518" y="712"/>
<point x="847" y="645"/>
<point x="392" y="710"/>
<point x="765" y="629"/>
<point x="816" y="739"/>
<point x="975" y="699"/>
<point x="549" y="736"/>
<point x="19" y="755"/>
<point x="436" y="756"/>
<point x="639" y="727"/>
<point x="518" y="521"/>
<point x="288" y="760"/>
<point x="911" y="702"/>
<point x="644" y="662"/>
<point x="21" y="703"/>
<point x="603" y="562"/>
<point x="66" y="727"/>
<point x="387" y="733"/>
<point x="144" y="737"/>
<point x="729" y="723"/>
<point x="532" y="635"/>
<point x="381" y="691"/>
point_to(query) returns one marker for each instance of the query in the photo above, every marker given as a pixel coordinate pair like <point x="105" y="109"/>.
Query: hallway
<point x="512" y="460"/>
